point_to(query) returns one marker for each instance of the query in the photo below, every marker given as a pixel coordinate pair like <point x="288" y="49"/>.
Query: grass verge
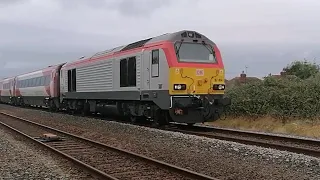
<point x="298" y="127"/>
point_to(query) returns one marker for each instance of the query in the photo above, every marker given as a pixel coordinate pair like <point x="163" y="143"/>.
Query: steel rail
<point x="96" y="172"/>
<point x="91" y="170"/>
<point x="275" y="141"/>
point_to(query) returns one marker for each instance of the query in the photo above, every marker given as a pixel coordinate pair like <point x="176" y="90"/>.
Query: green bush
<point x="302" y="69"/>
<point x="284" y="97"/>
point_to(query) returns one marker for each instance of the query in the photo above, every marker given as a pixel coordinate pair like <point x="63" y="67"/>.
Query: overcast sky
<point x="264" y="35"/>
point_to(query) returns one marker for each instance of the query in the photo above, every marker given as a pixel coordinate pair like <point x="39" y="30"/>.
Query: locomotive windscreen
<point x="195" y="52"/>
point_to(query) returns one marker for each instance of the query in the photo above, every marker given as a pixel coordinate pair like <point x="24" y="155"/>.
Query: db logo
<point x="199" y="72"/>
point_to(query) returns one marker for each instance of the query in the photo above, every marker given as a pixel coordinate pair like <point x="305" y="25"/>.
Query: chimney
<point x="243" y="77"/>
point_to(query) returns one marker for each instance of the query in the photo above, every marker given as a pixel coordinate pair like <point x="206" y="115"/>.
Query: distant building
<point x="242" y="79"/>
<point x="282" y="75"/>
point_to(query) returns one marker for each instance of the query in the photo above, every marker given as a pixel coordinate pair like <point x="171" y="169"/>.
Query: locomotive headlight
<point x="219" y="86"/>
<point x="179" y="87"/>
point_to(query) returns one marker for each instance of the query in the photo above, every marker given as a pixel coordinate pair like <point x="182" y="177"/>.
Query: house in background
<point x="242" y="79"/>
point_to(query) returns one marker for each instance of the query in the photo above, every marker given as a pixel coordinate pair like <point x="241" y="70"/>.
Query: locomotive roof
<point x="175" y="36"/>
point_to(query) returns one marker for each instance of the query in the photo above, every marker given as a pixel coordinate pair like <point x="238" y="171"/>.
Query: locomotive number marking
<point x="199" y="72"/>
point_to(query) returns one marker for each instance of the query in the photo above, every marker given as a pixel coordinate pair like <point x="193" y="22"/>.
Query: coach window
<point x="123" y="73"/>
<point x="155" y="63"/>
<point x="132" y="75"/>
<point x="42" y="81"/>
<point x="34" y="82"/>
<point x="38" y="81"/>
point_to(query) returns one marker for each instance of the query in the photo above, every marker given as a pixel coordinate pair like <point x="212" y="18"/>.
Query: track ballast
<point x="100" y="160"/>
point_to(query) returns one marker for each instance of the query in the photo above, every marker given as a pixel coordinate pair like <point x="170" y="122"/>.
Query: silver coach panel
<point x="34" y="91"/>
<point x="102" y="76"/>
<point x="95" y="77"/>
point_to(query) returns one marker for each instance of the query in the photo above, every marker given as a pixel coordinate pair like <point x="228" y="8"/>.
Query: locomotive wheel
<point x="133" y="119"/>
<point x="86" y="109"/>
<point x="136" y="119"/>
<point x="52" y="106"/>
<point x="160" y="118"/>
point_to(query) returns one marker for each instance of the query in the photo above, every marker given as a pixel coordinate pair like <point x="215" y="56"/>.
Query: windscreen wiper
<point x="178" y="49"/>
<point x="210" y="49"/>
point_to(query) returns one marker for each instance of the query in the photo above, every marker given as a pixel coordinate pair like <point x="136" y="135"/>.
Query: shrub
<point x="302" y="69"/>
<point x="278" y="97"/>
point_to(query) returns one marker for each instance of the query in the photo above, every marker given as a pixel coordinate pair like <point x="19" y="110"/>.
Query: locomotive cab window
<point x="128" y="77"/>
<point x="155" y="63"/>
<point x="195" y="52"/>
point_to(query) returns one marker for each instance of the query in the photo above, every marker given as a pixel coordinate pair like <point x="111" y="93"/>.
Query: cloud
<point x="141" y="7"/>
<point x="247" y="32"/>
<point x="9" y="2"/>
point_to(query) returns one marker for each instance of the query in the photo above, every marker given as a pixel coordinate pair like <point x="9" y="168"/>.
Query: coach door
<point x="155" y="63"/>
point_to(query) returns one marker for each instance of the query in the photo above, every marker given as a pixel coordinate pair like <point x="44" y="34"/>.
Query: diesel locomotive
<point x="174" y="77"/>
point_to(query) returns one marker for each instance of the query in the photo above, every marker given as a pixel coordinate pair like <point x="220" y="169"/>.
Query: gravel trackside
<point x="24" y="160"/>
<point x="219" y="159"/>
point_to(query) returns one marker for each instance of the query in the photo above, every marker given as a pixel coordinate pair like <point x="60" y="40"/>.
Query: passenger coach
<point x="39" y="88"/>
<point x="7" y="90"/>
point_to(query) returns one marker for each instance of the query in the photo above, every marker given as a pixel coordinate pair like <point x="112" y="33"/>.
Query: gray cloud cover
<point x="265" y="35"/>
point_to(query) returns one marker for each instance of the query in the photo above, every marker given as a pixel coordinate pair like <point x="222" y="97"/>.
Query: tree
<point x="302" y="69"/>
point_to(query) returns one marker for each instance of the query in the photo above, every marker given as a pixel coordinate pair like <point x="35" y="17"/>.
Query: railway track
<point x="300" y="145"/>
<point x="100" y="160"/>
